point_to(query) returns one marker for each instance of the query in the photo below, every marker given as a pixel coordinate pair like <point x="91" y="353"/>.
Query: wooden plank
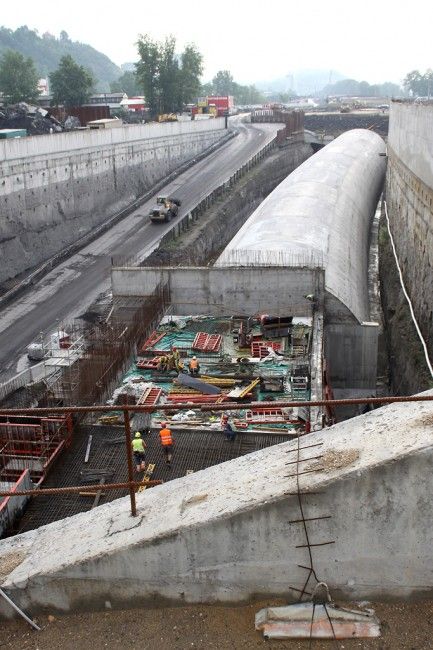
<point x="89" y="444"/>
<point x="98" y="494"/>
<point x="147" y="476"/>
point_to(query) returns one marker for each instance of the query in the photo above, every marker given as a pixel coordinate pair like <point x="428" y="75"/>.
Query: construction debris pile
<point x="197" y="361"/>
<point x="36" y="120"/>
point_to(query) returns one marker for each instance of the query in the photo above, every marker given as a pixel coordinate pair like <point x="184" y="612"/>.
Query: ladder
<point x="260" y="349"/>
<point x="150" y="342"/>
<point x="146" y="477"/>
<point x="150" y="396"/>
<point x="207" y="342"/>
<point x="264" y="415"/>
<point x="148" y="364"/>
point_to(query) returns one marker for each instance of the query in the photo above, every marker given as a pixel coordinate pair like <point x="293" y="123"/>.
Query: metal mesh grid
<point x="193" y="451"/>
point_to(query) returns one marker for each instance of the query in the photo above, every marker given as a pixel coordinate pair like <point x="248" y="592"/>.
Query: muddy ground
<point x="404" y="627"/>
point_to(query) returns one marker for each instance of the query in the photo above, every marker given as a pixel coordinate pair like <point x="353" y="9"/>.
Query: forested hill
<point x="47" y="50"/>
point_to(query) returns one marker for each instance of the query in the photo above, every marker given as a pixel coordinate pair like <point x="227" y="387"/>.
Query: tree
<point x="190" y="73"/>
<point x="169" y="80"/>
<point x="71" y="84"/>
<point x="127" y="83"/>
<point x="223" y="83"/>
<point x="168" y="77"/>
<point x="420" y="85"/>
<point x="18" y="78"/>
<point x="147" y="70"/>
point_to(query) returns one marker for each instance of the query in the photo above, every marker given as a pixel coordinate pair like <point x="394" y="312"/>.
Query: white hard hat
<point x="194" y="357"/>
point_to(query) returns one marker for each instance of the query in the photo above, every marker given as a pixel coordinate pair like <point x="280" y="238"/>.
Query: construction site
<point x="293" y="479"/>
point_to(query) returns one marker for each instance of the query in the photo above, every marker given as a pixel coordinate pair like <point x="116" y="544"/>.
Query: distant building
<point x="113" y="100"/>
<point x="43" y="86"/>
<point x="134" y="104"/>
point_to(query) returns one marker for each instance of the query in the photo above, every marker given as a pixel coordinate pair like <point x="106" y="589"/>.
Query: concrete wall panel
<point x="218" y="291"/>
<point x="351" y="353"/>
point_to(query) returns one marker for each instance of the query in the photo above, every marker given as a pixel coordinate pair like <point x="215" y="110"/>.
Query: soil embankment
<point x="337" y="123"/>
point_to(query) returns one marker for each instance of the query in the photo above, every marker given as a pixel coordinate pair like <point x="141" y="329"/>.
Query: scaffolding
<point x="32" y="444"/>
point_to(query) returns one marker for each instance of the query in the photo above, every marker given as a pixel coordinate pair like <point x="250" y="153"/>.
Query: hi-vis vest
<point x="193" y="364"/>
<point x="166" y="439"/>
<point x="137" y="444"/>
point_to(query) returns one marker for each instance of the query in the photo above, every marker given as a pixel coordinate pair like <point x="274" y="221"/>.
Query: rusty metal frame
<point x="127" y="409"/>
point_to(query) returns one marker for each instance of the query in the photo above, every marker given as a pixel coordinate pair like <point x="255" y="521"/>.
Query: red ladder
<point x="148" y="364"/>
<point x="207" y="342"/>
<point x="150" y="342"/>
<point x="260" y="349"/>
<point x="150" y="396"/>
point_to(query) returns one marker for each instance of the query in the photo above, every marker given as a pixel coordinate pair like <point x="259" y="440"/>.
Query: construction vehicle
<point x="167" y="117"/>
<point x="164" y="209"/>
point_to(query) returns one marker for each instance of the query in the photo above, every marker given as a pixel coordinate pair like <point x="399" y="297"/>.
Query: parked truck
<point x="164" y="209"/>
<point x="214" y="106"/>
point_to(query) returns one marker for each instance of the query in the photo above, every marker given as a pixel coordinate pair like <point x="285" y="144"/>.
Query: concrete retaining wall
<point x="54" y="189"/>
<point x="409" y="195"/>
<point x="230" y="533"/>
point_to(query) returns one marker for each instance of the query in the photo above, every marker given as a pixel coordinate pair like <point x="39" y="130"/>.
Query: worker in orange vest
<point x="166" y="442"/>
<point x="194" y="366"/>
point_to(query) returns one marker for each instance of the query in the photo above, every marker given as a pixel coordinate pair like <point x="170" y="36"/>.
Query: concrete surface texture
<point x="320" y="216"/>
<point x="352" y="352"/>
<point x="232" y="532"/>
<point x="410" y="204"/>
<point x="57" y="188"/>
<point x="222" y="292"/>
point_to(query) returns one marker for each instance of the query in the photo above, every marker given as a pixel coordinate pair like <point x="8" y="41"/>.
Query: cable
<point x="427" y="358"/>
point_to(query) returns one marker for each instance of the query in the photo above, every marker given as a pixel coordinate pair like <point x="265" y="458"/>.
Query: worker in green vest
<point x="138" y="447"/>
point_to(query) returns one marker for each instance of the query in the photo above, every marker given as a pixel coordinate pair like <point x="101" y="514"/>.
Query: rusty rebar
<point x="76" y="488"/>
<point x="227" y="406"/>
<point x="129" y="457"/>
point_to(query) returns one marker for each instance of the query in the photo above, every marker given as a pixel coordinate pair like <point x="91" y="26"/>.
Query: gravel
<point x="405" y="626"/>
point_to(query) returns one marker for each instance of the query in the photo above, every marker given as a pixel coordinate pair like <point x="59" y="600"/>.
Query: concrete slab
<point x="231" y="532"/>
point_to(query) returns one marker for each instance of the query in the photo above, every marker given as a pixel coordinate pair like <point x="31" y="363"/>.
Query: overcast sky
<point x="372" y="40"/>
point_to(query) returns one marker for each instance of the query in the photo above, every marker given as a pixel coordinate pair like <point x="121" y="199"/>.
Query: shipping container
<point x="12" y="133"/>
<point x="105" y="124"/>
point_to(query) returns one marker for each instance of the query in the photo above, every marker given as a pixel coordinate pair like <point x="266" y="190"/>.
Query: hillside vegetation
<point x="47" y="50"/>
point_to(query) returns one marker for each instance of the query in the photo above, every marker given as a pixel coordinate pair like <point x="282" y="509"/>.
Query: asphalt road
<point x="70" y="288"/>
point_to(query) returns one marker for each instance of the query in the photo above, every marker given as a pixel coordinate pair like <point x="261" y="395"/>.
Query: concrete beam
<point x="218" y="291"/>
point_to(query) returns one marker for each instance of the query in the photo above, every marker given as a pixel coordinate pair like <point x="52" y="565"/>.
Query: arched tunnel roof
<point x="320" y="216"/>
